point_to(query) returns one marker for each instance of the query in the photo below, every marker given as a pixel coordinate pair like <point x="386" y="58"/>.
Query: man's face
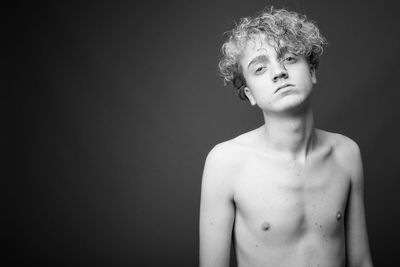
<point x="276" y="81"/>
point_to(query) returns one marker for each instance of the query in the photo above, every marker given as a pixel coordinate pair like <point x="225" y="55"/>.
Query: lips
<point x="282" y="87"/>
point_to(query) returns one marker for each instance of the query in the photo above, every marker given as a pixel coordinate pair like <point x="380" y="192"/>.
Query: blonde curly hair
<point x="299" y="35"/>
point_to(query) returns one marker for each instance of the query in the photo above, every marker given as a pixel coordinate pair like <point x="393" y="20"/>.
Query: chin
<point x="291" y="101"/>
<point x="288" y="104"/>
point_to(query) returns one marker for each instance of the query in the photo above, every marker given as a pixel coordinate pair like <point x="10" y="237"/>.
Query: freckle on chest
<point x="265" y="226"/>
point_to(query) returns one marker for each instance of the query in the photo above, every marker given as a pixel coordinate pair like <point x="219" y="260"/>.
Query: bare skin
<point x="285" y="194"/>
<point x="282" y="212"/>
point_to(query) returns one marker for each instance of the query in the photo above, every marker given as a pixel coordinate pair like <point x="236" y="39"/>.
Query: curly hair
<point x="298" y="34"/>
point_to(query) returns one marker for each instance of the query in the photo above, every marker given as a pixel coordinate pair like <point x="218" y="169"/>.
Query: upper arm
<point x="216" y="209"/>
<point x="357" y="247"/>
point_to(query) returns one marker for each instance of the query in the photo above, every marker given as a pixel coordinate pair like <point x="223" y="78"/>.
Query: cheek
<point x="260" y="85"/>
<point x="262" y="95"/>
<point x="305" y="78"/>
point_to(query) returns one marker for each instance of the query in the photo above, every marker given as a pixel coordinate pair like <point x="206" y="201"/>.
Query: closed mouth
<point x="282" y="86"/>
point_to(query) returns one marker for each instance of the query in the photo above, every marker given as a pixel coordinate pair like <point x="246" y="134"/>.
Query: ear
<point x="250" y="96"/>
<point x="313" y="76"/>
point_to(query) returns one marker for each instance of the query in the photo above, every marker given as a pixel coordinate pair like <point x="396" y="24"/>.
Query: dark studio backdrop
<point x="113" y="107"/>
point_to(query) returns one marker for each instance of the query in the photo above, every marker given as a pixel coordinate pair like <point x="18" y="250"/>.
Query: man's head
<point x="284" y="30"/>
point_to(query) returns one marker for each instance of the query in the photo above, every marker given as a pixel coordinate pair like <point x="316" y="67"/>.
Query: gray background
<point x="113" y="107"/>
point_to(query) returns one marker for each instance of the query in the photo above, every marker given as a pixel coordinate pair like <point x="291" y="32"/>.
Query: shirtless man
<point x="286" y="194"/>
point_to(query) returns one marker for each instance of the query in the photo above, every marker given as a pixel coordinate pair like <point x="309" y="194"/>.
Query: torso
<point x="288" y="214"/>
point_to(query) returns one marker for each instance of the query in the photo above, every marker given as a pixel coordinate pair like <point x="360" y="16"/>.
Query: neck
<point x="291" y="135"/>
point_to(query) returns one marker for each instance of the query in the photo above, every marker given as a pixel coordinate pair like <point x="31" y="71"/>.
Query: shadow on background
<point x="115" y="107"/>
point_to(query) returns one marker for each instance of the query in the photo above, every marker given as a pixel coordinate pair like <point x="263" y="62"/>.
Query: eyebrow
<point x="282" y="51"/>
<point x="257" y="59"/>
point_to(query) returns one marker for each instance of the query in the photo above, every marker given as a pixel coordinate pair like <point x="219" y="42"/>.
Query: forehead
<point x="258" y="45"/>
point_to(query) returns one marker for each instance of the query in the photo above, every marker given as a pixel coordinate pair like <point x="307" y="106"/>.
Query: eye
<point x="260" y="69"/>
<point x="290" y="59"/>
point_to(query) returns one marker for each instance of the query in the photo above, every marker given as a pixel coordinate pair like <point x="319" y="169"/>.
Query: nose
<point x="280" y="73"/>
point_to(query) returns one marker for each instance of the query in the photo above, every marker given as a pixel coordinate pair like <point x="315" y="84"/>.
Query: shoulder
<point x="228" y="156"/>
<point x="344" y="146"/>
<point x="225" y="154"/>
<point x="346" y="151"/>
<point x="222" y="162"/>
<point x="233" y="150"/>
<point x="340" y="142"/>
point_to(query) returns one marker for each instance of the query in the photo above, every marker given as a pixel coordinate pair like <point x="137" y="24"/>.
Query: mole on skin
<point x="265" y="226"/>
<point x="338" y="216"/>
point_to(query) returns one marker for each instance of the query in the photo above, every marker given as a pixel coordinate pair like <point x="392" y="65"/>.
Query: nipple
<point x="265" y="226"/>
<point x="338" y="216"/>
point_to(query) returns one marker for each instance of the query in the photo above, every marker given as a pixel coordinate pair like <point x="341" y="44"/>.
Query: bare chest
<point x="282" y="202"/>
